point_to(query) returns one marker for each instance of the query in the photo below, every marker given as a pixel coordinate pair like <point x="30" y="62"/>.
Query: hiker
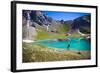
<point x="68" y="46"/>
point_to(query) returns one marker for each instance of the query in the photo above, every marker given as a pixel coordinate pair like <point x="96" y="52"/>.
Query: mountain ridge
<point x="38" y="17"/>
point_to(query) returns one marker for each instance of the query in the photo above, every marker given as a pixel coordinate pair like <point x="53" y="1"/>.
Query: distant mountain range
<point x="38" y="18"/>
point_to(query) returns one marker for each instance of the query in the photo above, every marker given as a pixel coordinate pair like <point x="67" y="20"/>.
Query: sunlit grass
<point x="38" y="53"/>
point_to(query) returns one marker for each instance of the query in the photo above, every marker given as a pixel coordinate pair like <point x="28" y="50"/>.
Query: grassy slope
<point x="38" y="53"/>
<point x="44" y="34"/>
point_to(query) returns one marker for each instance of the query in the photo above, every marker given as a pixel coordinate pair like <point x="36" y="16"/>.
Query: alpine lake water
<point x="77" y="44"/>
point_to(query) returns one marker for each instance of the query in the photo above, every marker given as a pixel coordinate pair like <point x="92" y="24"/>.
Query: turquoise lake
<point x="72" y="44"/>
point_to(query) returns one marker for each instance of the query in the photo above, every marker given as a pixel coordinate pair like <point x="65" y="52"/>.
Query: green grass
<point x="47" y="35"/>
<point x="38" y="53"/>
<point x="42" y="33"/>
<point x="64" y="28"/>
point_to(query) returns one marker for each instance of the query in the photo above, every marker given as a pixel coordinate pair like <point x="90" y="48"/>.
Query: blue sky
<point x="64" y="15"/>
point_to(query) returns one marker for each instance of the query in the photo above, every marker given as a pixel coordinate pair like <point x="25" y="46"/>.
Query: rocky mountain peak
<point x="39" y="13"/>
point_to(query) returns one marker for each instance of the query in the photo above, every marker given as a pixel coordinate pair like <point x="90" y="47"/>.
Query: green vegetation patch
<point x="38" y="53"/>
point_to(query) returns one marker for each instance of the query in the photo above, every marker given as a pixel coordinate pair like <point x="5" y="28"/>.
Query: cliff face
<point x="40" y="18"/>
